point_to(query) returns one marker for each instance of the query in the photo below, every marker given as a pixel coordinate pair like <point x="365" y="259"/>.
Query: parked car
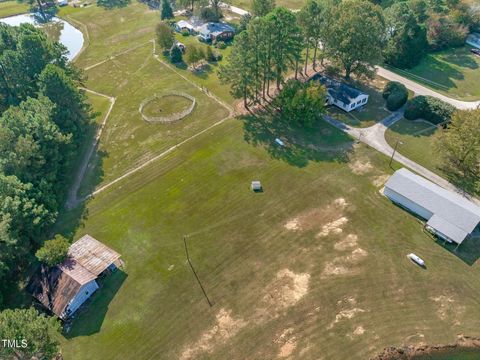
<point x="475" y="51"/>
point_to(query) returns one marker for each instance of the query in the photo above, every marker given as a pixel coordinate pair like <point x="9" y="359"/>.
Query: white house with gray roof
<point x="449" y="215"/>
<point x="340" y="94"/>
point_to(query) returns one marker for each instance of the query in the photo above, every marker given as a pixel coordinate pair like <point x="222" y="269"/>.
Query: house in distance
<point x="449" y="215"/>
<point x="62" y="289"/>
<point x="340" y="94"/>
<point x="206" y="31"/>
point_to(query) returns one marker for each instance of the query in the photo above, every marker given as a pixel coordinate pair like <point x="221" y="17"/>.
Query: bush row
<point x="429" y="108"/>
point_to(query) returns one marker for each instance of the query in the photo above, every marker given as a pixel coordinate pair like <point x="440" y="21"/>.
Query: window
<point x="364" y="101"/>
<point x="351" y="106"/>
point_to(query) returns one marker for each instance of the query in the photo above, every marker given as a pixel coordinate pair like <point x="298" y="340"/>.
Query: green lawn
<point x="289" y="4"/>
<point x="369" y="114"/>
<point x="416" y="142"/>
<point x="313" y="267"/>
<point x="9" y="8"/>
<point x="454" y="72"/>
<point x="317" y="260"/>
<point x="129" y="141"/>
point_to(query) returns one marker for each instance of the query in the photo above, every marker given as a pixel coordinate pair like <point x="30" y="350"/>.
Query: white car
<point x="416" y="259"/>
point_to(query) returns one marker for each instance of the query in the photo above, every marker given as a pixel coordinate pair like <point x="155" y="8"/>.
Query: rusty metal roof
<point x="55" y="287"/>
<point x="92" y="254"/>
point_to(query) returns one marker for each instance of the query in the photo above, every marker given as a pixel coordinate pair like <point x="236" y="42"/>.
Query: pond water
<point x="56" y="29"/>
<point x="457" y="354"/>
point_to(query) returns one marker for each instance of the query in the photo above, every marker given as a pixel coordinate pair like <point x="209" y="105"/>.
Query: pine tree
<point x="238" y="71"/>
<point x="166" y="12"/>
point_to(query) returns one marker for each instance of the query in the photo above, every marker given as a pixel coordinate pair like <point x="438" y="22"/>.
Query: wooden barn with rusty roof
<point x="64" y="288"/>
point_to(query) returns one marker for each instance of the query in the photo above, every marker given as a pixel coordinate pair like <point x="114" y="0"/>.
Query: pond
<point x="56" y="29"/>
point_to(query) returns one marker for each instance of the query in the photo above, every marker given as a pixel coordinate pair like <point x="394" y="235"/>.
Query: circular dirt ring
<point x="172" y="115"/>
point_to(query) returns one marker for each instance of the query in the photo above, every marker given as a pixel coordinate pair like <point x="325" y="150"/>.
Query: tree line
<point x="43" y="122"/>
<point x="353" y="36"/>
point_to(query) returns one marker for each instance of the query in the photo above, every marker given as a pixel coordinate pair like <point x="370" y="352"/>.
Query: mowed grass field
<point x="313" y="267"/>
<point x="416" y="139"/>
<point x="453" y="72"/>
<point x="128" y="141"/>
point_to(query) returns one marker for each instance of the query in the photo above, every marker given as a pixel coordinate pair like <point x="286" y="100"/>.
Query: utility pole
<point x="194" y="272"/>
<point x="394" y="151"/>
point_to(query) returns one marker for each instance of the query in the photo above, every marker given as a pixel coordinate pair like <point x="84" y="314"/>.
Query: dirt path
<point x="72" y="199"/>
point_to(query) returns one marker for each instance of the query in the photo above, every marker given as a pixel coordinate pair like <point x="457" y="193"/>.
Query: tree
<point x="25" y="53"/>
<point x="166" y="12"/>
<point x="72" y="112"/>
<point x="355" y="37"/>
<point x="176" y="55"/>
<point x="46" y="8"/>
<point x="443" y="33"/>
<point x="286" y="42"/>
<point x="54" y="251"/>
<point x="215" y="5"/>
<point x="190" y="3"/>
<point x="40" y="332"/>
<point x="406" y="38"/>
<point x="262" y="7"/>
<point x="238" y="70"/>
<point x="310" y="23"/>
<point x="459" y="148"/>
<point x="301" y="103"/>
<point x="165" y="37"/>
<point x="193" y="55"/>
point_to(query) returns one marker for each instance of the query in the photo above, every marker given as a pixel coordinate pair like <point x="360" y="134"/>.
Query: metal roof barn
<point x="448" y="214"/>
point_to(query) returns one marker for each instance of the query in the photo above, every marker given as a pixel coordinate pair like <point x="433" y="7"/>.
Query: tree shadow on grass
<point x="442" y="73"/>
<point x="416" y="128"/>
<point x="113" y="4"/>
<point x="462" y="58"/>
<point x="468" y="252"/>
<point x="321" y="142"/>
<point x="90" y="316"/>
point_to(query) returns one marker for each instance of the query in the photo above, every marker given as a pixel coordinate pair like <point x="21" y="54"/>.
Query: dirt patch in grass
<point x="287" y="342"/>
<point x="447" y="308"/>
<point x="346" y="243"/>
<point x="226" y="327"/>
<point x="283" y="292"/>
<point x="345" y="315"/>
<point x="333" y="227"/>
<point x="360" y="167"/>
<point x="380" y="180"/>
<point x="316" y="217"/>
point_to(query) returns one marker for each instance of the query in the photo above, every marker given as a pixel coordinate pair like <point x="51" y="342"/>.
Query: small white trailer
<point x="416" y="259"/>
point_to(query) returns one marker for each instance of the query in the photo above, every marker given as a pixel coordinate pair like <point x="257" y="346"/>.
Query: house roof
<point x="337" y="89"/>
<point x="92" y="254"/>
<point x="53" y="288"/>
<point x="453" y="215"/>
<point x="215" y="28"/>
<point x="56" y="286"/>
<point x="184" y="24"/>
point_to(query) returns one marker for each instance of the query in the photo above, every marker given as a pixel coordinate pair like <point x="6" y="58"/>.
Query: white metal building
<point x="449" y="215"/>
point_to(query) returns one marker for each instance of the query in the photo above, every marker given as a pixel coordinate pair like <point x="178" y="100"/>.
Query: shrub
<point x="396" y="95"/>
<point x="220" y="45"/>
<point x="176" y="55"/>
<point x="209" y="14"/>
<point x="429" y="108"/>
